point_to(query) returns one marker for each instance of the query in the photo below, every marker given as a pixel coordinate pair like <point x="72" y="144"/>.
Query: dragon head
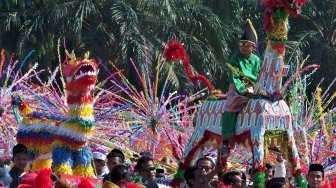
<point x="292" y="7"/>
<point x="81" y="74"/>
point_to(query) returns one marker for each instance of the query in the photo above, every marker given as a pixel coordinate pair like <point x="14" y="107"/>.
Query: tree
<point x="316" y="35"/>
<point x="114" y="30"/>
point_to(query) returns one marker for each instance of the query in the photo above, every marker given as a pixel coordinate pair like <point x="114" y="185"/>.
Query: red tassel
<point x="42" y="179"/>
<point x="261" y="168"/>
<point x="84" y="183"/>
<point x="175" y="51"/>
<point x="297" y="172"/>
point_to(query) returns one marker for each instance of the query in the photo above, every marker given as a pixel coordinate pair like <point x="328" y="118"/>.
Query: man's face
<point x="315" y="179"/>
<point x="246" y="48"/>
<point x="199" y="180"/>
<point x="112" y="162"/>
<point x="148" y="171"/>
<point x="205" y="166"/>
<point x="20" y="161"/>
<point x="99" y="164"/>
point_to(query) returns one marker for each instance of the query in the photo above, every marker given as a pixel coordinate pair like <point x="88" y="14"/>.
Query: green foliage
<point x="115" y="30"/>
<point x="118" y="30"/>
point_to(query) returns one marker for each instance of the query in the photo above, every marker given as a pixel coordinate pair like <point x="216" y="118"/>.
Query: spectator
<point x="280" y="167"/>
<point x="315" y="175"/>
<point x="275" y="182"/>
<point x="114" y="158"/>
<point x="120" y="172"/>
<point x="268" y="172"/>
<point x="99" y="162"/>
<point x="195" y="178"/>
<point x="20" y="160"/>
<point x="234" y="179"/>
<point x="120" y="177"/>
<point x="207" y="167"/>
<point x="205" y="164"/>
<point x="146" y="169"/>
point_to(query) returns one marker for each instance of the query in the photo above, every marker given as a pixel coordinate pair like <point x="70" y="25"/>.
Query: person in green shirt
<point x="243" y="70"/>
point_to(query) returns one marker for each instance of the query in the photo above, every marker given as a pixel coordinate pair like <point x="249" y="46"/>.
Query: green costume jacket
<point x="246" y="70"/>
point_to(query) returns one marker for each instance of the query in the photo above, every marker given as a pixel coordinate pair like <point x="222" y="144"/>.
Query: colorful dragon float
<point x="68" y="135"/>
<point x="266" y="115"/>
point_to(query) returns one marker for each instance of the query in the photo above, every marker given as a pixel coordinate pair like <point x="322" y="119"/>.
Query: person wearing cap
<point x="243" y="71"/>
<point x="99" y="162"/>
<point x="114" y="158"/>
<point x="315" y="176"/>
<point x="276" y="183"/>
<point x="20" y="160"/>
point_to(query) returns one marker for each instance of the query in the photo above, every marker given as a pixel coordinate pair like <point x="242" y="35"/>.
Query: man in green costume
<point x="243" y="70"/>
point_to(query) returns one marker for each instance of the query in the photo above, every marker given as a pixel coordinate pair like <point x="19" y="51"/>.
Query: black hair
<point x="142" y="161"/>
<point x="276" y="183"/>
<point x="19" y="148"/>
<point x="116" y="153"/>
<point x="189" y="174"/>
<point x="268" y="166"/>
<point x="228" y="177"/>
<point x="118" y="173"/>
<point x="205" y="158"/>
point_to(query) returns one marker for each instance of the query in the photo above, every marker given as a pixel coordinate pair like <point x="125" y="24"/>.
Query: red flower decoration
<point x="261" y="168"/>
<point x="174" y="51"/>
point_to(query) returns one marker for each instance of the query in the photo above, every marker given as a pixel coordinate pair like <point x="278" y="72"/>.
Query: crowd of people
<point x="114" y="172"/>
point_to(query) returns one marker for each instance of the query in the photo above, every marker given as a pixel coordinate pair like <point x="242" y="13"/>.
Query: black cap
<point x="19" y="148"/>
<point x="116" y="153"/>
<point x="276" y="183"/>
<point x="268" y="166"/>
<point x="249" y="35"/>
<point x="316" y="167"/>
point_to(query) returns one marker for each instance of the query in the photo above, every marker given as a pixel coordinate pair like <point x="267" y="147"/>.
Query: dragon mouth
<point x="85" y="70"/>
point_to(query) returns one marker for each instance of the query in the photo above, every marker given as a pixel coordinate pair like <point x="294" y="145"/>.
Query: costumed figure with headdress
<point x="243" y="70"/>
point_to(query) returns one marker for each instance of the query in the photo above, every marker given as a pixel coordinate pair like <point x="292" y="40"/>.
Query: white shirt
<point x="280" y="169"/>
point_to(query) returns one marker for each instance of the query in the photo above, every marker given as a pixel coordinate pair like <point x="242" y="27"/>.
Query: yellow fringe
<point x="63" y="169"/>
<point x="27" y="110"/>
<point x="41" y="164"/>
<point x="78" y="128"/>
<point x="279" y="29"/>
<point x="85" y="171"/>
<point x="85" y="111"/>
<point x="38" y="147"/>
<point x="28" y="121"/>
<point x="320" y="111"/>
